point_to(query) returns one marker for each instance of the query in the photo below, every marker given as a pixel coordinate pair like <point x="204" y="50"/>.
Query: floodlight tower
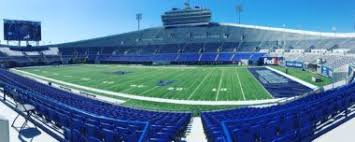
<point x="239" y="9"/>
<point x="139" y="17"/>
<point x="284" y="36"/>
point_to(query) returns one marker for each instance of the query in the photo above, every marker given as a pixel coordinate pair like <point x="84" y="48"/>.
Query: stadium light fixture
<point x="239" y="9"/>
<point x="139" y="17"/>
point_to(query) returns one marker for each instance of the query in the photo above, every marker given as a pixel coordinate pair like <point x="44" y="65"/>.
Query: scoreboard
<point x="19" y="30"/>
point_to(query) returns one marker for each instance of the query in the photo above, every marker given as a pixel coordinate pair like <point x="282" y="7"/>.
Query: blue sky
<point x="71" y="20"/>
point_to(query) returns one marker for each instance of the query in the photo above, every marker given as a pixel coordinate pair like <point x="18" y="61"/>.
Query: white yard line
<point x="240" y="84"/>
<point x="146" y="91"/>
<point x="136" y="79"/>
<point x="219" y="85"/>
<point x="151" y="89"/>
<point x="151" y="99"/>
<point x="198" y="87"/>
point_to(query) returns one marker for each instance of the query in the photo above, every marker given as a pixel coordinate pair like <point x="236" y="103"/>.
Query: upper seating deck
<point x="193" y="48"/>
<point x="229" y="47"/>
<point x="169" y="48"/>
<point x="212" y="47"/>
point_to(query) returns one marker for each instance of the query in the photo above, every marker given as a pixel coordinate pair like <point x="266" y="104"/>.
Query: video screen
<point x="22" y="30"/>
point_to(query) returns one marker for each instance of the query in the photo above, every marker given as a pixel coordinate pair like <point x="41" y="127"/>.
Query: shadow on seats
<point x="28" y="134"/>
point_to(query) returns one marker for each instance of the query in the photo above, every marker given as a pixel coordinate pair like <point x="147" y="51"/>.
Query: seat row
<point x="183" y="57"/>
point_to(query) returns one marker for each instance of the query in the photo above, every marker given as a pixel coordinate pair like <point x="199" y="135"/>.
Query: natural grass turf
<point x="197" y="83"/>
<point x="191" y="83"/>
<point x="305" y="75"/>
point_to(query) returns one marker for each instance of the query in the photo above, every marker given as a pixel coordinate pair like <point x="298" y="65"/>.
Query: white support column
<point x="4" y="130"/>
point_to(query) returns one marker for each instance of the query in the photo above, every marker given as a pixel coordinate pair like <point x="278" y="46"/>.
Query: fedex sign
<point x="272" y="60"/>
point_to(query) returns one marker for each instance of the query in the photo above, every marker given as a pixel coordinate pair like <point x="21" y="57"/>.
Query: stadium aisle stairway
<point x="300" y="120"/>
<point x="85" y="119"/>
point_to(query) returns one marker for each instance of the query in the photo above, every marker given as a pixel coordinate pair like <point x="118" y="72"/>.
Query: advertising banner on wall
<point x="294" y="64"/>
<point x="326" y="71"/>
<point x="272" y="60"/>
<point x="351" y="69"/>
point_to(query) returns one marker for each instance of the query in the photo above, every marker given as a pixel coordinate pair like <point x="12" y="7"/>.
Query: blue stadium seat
<point x="269" y="131"/>
<point x="76" y="136"/>
<point x="110" y="135"/>
<point x="93" y="139"/>
<point x="63" y="120"/>
<point x="290" y="137"/>
<point x="78" y="125"/>
<point x="67" y="134"/>
<point x="220" y="139"/>
<point x="92" y="130"/>
<point x="107" y="126"/>
<point x="244" y="135"/>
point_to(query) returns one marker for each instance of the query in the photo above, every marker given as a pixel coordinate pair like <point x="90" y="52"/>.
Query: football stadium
<point x="191" y="79"/>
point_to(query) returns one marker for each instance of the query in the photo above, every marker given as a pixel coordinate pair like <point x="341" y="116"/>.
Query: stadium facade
<point x="195" y="39"/>
<point x="247" y="37"/>
<point x="215" y="43"/>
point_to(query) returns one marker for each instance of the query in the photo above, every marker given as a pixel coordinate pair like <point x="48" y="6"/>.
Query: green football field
<point x="209" y="83"/>
<point x="170" y="82"/>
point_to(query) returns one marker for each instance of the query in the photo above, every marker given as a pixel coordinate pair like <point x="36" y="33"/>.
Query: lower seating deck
<point x="83" y="118"/>
<point x="300" y="120"/>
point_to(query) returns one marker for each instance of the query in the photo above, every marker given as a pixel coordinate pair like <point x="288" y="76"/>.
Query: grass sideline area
<point x="305" y="75"/>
